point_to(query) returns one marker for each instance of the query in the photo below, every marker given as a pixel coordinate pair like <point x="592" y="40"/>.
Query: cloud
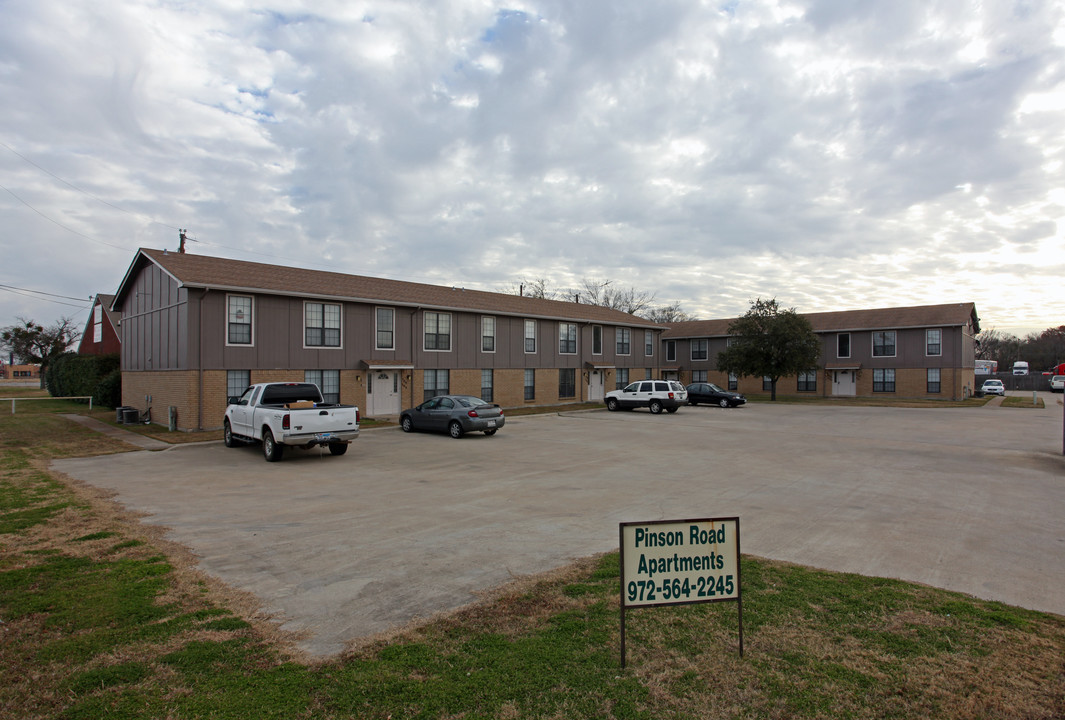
<point x="841" y="154"/>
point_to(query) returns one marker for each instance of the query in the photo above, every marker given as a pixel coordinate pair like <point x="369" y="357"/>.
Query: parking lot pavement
<point x="402" y="526"/>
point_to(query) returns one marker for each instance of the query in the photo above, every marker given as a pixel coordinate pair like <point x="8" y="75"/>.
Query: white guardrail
<point x="69" y="397"/>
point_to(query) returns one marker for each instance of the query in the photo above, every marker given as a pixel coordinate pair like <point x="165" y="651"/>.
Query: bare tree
<point x="535" y="288"/>
<point x="667" y="314"/>
<point x="35" y="344"/>
<point x="605" y="294"/>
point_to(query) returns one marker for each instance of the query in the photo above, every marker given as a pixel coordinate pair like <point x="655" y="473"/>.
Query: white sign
<point x="673" y="562"/>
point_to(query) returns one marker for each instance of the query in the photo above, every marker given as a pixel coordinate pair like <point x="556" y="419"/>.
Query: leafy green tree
<point x="34" y="344"/>
<point x="770" y="342"/>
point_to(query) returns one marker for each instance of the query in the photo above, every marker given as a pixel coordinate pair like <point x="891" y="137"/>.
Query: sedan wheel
<point x="490" y="432"/>
<point x="406" y="423"/>
<point x="455" y="429"/>
<point x="723" y="403"/>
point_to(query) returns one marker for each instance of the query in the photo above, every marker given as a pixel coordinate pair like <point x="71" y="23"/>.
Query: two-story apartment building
<point x="197" y="329"/>
<point x="920" y="351"/>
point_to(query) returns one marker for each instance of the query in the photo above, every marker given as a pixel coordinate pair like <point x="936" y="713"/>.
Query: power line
<point x="85" y="192"/>
<point x="80" y="234"/>
<point x="34" y="293"/>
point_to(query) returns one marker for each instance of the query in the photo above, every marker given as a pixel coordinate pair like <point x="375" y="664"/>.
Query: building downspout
<point x="199" y="362"/>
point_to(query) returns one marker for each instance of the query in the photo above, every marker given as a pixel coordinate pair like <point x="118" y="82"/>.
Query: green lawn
<point x="100" y="617"/>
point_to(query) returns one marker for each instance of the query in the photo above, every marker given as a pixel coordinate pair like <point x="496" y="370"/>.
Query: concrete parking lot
<point x="340" y="548"/>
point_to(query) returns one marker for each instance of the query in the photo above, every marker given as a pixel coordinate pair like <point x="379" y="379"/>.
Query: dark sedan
<point x="454" y="414"/>
<point x="712" y="394"/>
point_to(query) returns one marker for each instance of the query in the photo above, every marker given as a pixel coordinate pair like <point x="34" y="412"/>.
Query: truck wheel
<point x="612" y="404"/>
<point x="455" y="429"/>
<point x="338" y="448"/>
<point x="227" y="435"/>
<point x="271" y="450"/>
<point x="655" y="407"/>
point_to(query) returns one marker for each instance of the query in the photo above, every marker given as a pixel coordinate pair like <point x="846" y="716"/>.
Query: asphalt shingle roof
<point x="239" y="275"/>
<point x="896" y="318"/>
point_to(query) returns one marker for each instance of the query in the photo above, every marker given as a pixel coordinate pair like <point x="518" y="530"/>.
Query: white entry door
<point x="382" y="393"/>
<point x="843" y="382"/>
<point x="595" y="386"/>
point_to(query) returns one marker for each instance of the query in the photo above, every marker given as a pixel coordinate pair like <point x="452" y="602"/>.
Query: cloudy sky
<point x="832" y="154"/>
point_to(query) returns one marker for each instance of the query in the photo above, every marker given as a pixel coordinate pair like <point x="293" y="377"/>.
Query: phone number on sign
<point x="677" y="589"/>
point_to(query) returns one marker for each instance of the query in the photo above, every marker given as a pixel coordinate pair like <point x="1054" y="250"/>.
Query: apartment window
<point x="767" y="383"/>
<point x="733" y="382"/>
<point x="487" y="386"/>
<point x="671" y="351"/>
<point x="623" y="337"/>
<point x="567" y="338"/>
<point x="386" y="329"/>
<point x="237" y="381"/>
<point x="648" y="343"/>
<point x="437" y="331"/>
<point x="435" y="382"/>
<point x="700" y="349"/>
<point x="488" y="334"/>
<point x="621" y="378"/>
<point x="884" y="343"/>
<point x="530" y="336"/>
<point x="98" y="324"/>
<point x="699" y="376"/>
<point x="567" y="382"/>
<point x="597" y="339"/>
<point x="933" y="342"/>
<point x="530" y="384"/>
<point x="883" y="380"/>
<point x="239" y="320"/>
<point x="843" y="345"/>
<point x="321" y="326"/>
<point x="933" y="380"/>
<point x="648" y="373"/>
<point x="328" y="381"/>
<point x="807" y="382"/>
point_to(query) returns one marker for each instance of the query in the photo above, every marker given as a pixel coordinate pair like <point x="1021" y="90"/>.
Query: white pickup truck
<point x="280" y="414"/>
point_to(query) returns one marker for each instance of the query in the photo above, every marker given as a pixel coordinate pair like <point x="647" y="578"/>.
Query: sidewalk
<point x="132" y="438"/>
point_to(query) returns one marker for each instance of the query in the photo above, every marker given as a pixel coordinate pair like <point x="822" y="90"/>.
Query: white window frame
<point x="250" y="323"/>
<point x="597" y="339"/>
<point x="623" y="341"/>
<point x="488" y="332"/>
<point x="530" y="336"/>
<point x="339" y="328"/>
<point x="377" y="327"/>
<point x="671" y="351"/>
<point x="894" y="343"/>
<point x="425" y="327"/>
<point x="850" y="346"/>
<point x="566" y="327"/>
<point x="648" y="343"/>
<point x="939" y="341"/>
<point x="705" y="344"/>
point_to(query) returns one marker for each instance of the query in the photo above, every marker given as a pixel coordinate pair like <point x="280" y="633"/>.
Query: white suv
<point x="655" y="395"/>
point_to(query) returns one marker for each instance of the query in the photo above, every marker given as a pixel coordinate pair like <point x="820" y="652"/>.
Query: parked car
<point x="655" y="395"/>
<point x="1057" y="383"/>
<point x="993" y="387"/>
<point x="710" y="393"/>
<point x="454" y="414"/>
<point x="292" y="414"/>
